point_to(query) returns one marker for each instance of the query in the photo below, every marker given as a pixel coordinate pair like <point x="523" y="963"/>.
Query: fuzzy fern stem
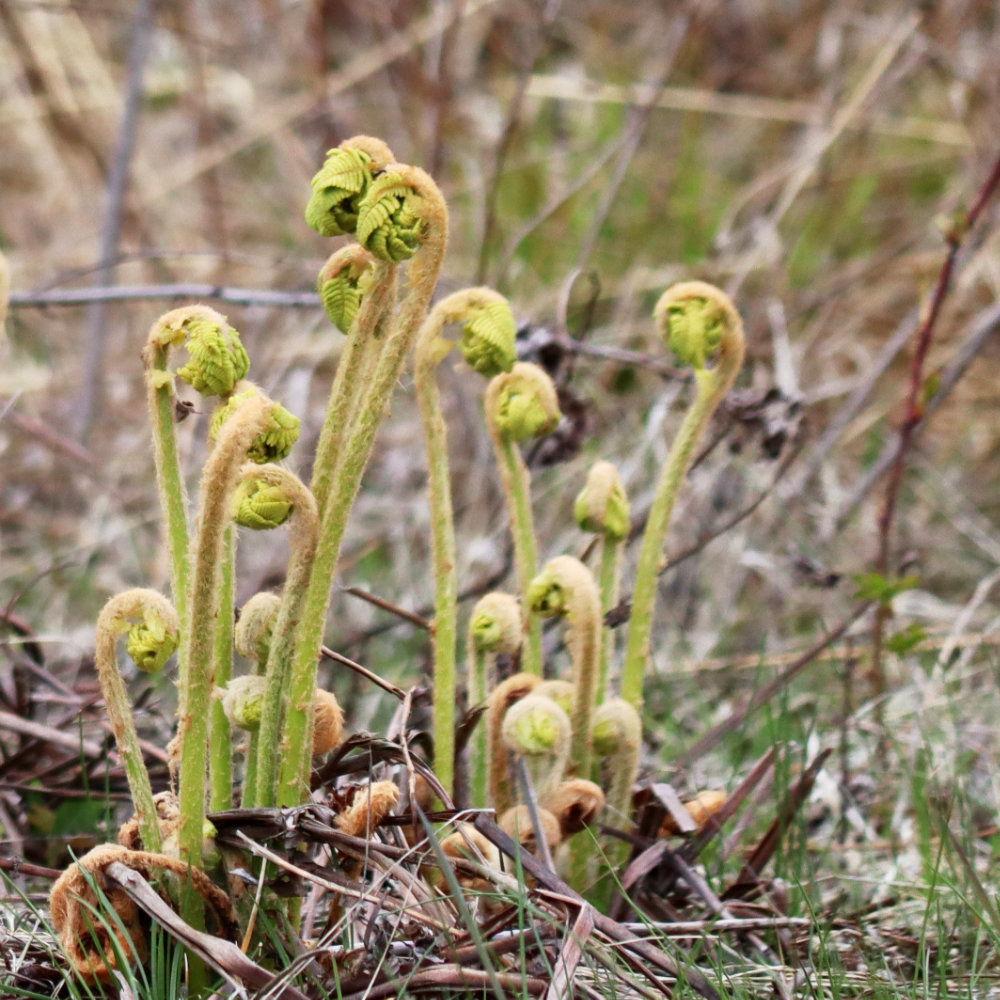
<point x="494" y="629"/>
<point x="566" y="588"/>
<point x="251" y="418"/>
<point x="220" y="762"/>
<point x="217" y="362"/>
<point x="252" y="639"/>
<point x="701" y="324"/>
<point x="402" y="214"/>
<point x="351" y="270"/>
<point x="521" y="404"/>
<point x="159" y="625"/>
<point x="279" y="726"/>
<point x="617" y="736"/>
<point x="602" y="507"/>
<point x="488" y="345"/>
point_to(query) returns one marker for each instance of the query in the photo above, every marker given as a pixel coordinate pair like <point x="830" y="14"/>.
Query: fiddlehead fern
<point x="252" y="638"/>
<point x="260" y="505"/>
<point x="602" y="507"/>
<point x="566" y="588"/>
<point x="617" y="737"/>
<point x="243" y="701"/>
<point x="255" y="628"/>
<point x="538" y="730"/>
<point x="343" y="181"/>
<point x="503" y="696"/>
<point x="520" y="404"/>
<point x="343" y="282"/>
<point x="487" y="343"/>
<point x="284" y="491"/>
<point x="153" y="637"/>
<point x="219" y="478"/>
<point x="701" y="324"/>
<point x="275" y="440"/>
<point x="494" y="629"/>
<point x="216" y="363"/>
<point x="358" y="292"/>
<point x="426" y="201"/>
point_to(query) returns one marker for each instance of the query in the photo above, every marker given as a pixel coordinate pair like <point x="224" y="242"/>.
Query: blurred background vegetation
<point x="799" y="153"/>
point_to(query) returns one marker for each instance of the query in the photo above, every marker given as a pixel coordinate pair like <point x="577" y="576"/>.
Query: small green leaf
<point x="876" y="587"/>
<point x="906" y="640"/>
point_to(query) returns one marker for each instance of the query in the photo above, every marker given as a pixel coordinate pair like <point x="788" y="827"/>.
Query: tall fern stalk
<point x="402" y="215"/>
<point x="487" y="344"/>
<point x="700" y="324"/>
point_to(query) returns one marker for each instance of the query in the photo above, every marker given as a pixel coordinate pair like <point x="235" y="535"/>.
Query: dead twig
<point x="141" y="293"/>
<point x="985" y="327"/>
<point x="652" y="956"/>
<point x="913" y="409"/>
<point x="222" y="955"/>
<point x="89" y="401"/>
<point x="47" y="734"/>
<point x="715" y="735"/>
<point x="768" y="844"/>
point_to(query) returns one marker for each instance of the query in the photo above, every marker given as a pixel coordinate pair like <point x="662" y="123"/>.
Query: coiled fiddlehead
<point x="602" y="507"/>
<point x="255" y="628"/>
<point x="217" y="361"/>
<point x="425" y="198"/>
<point x="520" y="404"/>
<point x="342" y="182"/>
<point x="494" y="629"/>
<point x="390" y="221"/>
<point x="157" y="639"/>
<point x="243" y="701"/>
<point x="343" y="282"/>
<point x="701" y="323"/>
<point x="538" y="730"/>
<point x="260" y="505"/>
<point x="487" y="342"/>
<point x="275" y="440"/>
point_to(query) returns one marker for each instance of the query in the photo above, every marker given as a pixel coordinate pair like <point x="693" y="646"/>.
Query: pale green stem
<point x="283" y="719"/>
<point x="567" y="588"/>
<point x="218" y="481"/>
<point x="250" y="772"/>
<point x="516" y="483"/>
<point x="169" y="482"/>
<point x="422" y="277"/>
<point x="249" y="789"/>
<point x="110" y="624"/>
<point x="442" y="523"/>
<point x="220" y="757"/>
<point x="608" y="582"/>
<point x="710" y="389"/>
<point x="364" y="342"/>
<point x="621" y="768"/>
<point x="585" y="646"/>
<point x="480" y="668"/>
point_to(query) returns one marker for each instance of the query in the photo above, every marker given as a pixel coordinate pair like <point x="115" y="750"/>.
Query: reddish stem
<point x="913" y="413"/>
